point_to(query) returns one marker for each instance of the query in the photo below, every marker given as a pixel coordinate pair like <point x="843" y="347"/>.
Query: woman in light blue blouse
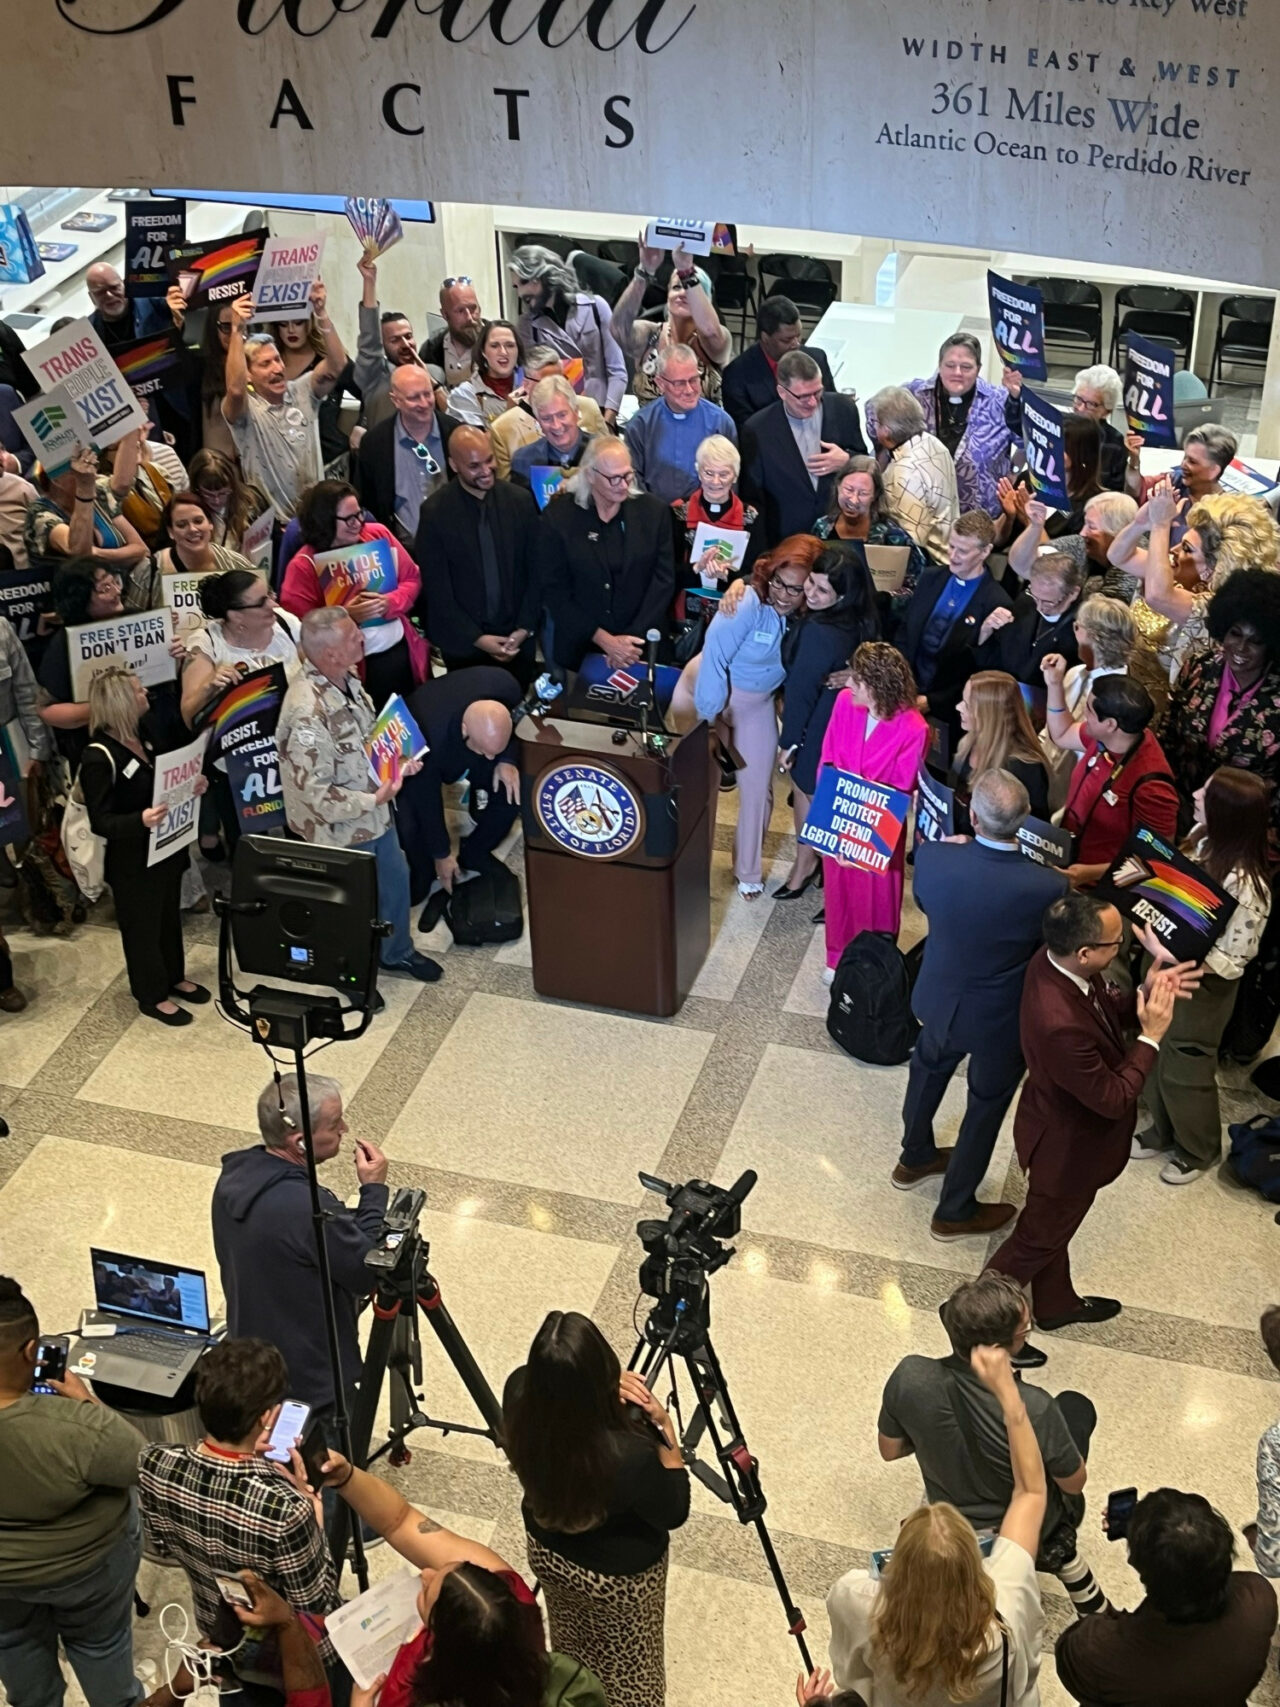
<point x="732" y="683"/>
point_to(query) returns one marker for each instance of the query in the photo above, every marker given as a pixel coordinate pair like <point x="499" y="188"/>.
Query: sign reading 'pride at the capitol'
<point x="1129" y="130"/>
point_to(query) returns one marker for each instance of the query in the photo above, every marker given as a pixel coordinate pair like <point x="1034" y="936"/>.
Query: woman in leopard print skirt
<point x="602" y="1491"/>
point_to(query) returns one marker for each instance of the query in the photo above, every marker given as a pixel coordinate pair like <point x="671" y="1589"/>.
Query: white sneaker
<point x="1177" y="1172"/>
<point x="1140" y="1152"/>
<point x="828" y="974"/>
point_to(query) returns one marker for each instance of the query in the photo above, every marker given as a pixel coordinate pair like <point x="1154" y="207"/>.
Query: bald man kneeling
<point x="465" y="718"/>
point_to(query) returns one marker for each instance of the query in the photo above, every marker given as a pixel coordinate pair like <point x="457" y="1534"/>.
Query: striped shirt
<point x="213" y="1514"/>
<point x="920" y="493"/>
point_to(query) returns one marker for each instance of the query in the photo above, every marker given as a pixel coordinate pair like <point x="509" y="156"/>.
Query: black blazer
<point x="1020" y="645"/>
<point x="749" y="384"/>
<point x="376" y="466"/>
<point x="447" y="551"/>
<point x="958" y="659"/>
<point x="774" y="477"/>
<point x="574" y="580"/>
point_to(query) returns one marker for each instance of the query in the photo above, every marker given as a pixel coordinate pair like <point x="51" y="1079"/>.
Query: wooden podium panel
<point x="628" y="930"/>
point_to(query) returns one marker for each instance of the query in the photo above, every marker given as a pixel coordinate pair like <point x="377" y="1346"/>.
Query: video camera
<point x="398" y="1238"/>
<point x="683" y="1250"/>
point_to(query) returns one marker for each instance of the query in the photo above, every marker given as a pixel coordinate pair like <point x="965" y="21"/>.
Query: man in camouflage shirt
<point x="329" y="792"/>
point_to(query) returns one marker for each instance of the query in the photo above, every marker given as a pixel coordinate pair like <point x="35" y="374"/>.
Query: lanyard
<point x="1108" y="787"/>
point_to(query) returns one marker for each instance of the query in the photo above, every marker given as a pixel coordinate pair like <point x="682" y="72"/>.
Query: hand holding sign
<point x="1011" y="379"/>
<point x="650" y="259"/>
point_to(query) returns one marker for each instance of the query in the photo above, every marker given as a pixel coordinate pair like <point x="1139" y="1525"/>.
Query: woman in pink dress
<point x="876" y="732"/>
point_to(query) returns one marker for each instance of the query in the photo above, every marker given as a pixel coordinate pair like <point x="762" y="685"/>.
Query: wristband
<point x="1056" y="709"/>
<point x="351" y="1470"/>
<point x="688" y="278"/>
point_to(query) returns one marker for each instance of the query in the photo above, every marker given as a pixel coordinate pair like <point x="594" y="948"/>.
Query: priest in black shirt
<point x="474" y="547"/>
<point x="1042" y="621"/>
<point x="465" y="719"/>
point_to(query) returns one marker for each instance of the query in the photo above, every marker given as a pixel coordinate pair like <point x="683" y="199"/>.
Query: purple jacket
<point x="586" y="333"/>
<point x="982" y="456"/>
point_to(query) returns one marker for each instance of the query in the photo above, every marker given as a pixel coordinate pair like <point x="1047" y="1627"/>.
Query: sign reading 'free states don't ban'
<point x="1008" y="124"/>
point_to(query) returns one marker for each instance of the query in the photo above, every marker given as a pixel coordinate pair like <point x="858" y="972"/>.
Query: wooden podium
<point x="617" y="863"/>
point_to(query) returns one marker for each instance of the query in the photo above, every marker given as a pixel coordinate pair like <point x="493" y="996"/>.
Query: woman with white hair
<point x="1105" y="515"/>
<point x="570" y="321"/>
<point x="920" y="491"/>
<point x="1097" y="393"/>
<point x="691" y="319"/>
<point x="715" y="502"/>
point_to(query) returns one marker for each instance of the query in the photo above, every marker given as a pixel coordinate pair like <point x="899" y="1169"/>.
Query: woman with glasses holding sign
<point x="332" y="519"/>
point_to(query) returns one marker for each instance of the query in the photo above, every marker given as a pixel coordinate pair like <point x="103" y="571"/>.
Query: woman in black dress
<point x="602" y="1491"/>
<point x="998" y="735"/>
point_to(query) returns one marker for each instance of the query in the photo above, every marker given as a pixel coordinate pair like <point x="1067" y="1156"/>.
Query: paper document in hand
<point x="369" y="1631"/>
<point x="717" y="552"/>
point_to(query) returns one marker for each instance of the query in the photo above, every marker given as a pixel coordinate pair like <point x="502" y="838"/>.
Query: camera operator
<point x="602" y="1491"/>
<point x="265" y="1241"/>
<point x="70" y="1539"/>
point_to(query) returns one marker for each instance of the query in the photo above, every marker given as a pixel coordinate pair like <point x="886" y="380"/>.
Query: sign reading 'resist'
<point x="1136" y="126"/>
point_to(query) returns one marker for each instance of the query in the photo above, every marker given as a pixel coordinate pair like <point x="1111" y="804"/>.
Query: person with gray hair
<point x="571" y="321"/>
<point x="664" y="436"/>
<point x="264" y="1239"/>
<point x="1097" y="393"/>
<point x="984" y="902"/>
<point x="792" y="491"/>
<point x="519" y="426"/>
<point x="330" y="795"/>
<point x="1207" y="452"/>
<point x="557" y="411"/>
<point x="920" y="491"/>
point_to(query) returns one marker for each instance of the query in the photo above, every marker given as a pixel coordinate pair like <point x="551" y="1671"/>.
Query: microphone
<point x="651" y="641"/>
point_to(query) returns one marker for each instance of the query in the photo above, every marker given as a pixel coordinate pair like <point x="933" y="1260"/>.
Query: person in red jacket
<point x="1079" y="1103"/>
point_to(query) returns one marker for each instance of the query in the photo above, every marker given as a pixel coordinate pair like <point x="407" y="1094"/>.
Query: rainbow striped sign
<point x="214" y="272"/>
<point x="1154" y="884"/>
<point x="150" y="364"/>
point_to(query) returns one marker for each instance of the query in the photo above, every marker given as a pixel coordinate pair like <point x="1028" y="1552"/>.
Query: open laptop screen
<point x="150" y="1291"/>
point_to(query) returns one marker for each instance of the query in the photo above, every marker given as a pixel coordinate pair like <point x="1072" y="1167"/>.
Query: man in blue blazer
<point x="984" y="901"/>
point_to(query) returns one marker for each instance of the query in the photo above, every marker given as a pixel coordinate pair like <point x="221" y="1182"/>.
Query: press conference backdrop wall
<point x="1127" y="130"/>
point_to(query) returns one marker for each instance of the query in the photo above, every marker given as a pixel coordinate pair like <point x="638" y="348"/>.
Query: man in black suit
<point x="465" y="718"/>
<point x="1041" y="621"/>
<point x="792" y="450"/>
<point x="404" y="458"/>
<point x="606" y="561"/>
<point x="750" y="381"/>
<point x="940" y="629"/>
<point x="474" y="546"/>
<point x="984" y="903"/>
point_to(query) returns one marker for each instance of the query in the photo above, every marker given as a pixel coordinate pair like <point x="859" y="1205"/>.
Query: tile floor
<point x="527" y="1121"/>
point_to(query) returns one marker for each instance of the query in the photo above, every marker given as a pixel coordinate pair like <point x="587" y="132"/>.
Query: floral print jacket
<point x="1250" y="740"/>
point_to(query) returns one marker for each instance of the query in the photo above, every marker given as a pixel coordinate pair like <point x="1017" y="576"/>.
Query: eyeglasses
<point x="352" y="516"/>
<point x="257" y="604"/>
<point x="1116" y="944"/>
<point x="616" y="480"/>
<point x="786" y="586"/>
<point x="457" y="279"/>
<point x="693" y="383"/>
<point x="225" y="327"/>
<point x="804" y="396"/>
<point x="425" y="457"/>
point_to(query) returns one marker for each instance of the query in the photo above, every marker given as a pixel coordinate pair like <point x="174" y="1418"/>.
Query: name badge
<point x="1110" y="797"/>
<point x="131" y="768"/>
<point x="762" y="636"/>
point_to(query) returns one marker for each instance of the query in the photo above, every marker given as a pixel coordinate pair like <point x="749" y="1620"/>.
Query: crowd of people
<point x="1109" y="668"/>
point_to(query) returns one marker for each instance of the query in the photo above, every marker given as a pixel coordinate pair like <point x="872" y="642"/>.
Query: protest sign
<point x="76" y="361"/>
<point x="177" y="776"/>
<point x="242" y="725"/>
<point x="935" y="809"/>
<point x="20" y="261"/>
<point x="1045" y="843"/>
<point x="139" y="639"/>
<point x="152" y="229"/>
<point x="1153" y="884"/>
<point x="286" y="273"/>
<point x="1042" y="440"/>
<point x="1148" y="391"/>
<point x="369" y="567"/>
<point x="691" y="235"/>
<point x="214" y="272"/>
<point x="1017" y="325"/>
<point x="181" y="593"/>
<point x="1238" y="476"/>
<point x="24" y="595"/>
<point x="375" y="222"/>
<point x="255" y="544"/>
<point x="51" y="426"/>
<point x="152" y="364"/>
<point x="13" y="817"/>
<point x="855" y="821"/>
<point x="545" y="482"/>
<point x="394" y="741"/>
<point x="717" y="552"/>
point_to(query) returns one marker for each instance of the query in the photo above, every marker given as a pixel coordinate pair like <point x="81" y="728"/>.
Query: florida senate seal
<point x="589" y="810"/>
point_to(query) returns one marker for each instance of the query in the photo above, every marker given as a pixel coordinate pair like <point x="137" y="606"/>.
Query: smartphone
<point x="313" y="1449"/>
<point x="233" y="1591"/>
<point x="51" y="1363"/>
<point x="1120" y="1506"/>
<point x="288" y="1430"/>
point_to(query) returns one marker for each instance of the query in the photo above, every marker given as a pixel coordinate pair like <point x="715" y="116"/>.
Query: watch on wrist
<point x="688" y="277"/>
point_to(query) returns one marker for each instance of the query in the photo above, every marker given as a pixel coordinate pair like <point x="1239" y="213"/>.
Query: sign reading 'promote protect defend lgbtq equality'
<point x="1005" y="124"/>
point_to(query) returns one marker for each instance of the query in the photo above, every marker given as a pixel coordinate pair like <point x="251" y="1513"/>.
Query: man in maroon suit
<point x="1078" y="1107"/>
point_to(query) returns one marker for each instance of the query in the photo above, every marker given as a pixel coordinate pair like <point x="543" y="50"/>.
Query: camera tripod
<point x="674" y="1330"/>
<point x="402" y="1290"/>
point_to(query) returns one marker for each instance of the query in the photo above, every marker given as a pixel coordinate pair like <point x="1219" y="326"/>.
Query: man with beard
<point x="453" y="348"/>
<point x="574" y="322"/>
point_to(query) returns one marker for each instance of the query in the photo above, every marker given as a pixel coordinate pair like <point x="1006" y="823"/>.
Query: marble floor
<point x="526" y="1120"/>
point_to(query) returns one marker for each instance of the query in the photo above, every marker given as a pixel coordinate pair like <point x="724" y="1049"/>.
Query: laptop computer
<point x="161" y="1316"/>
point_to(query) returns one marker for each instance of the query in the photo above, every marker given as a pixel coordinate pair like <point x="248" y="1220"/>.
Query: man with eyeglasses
<point x="1078" y="1108"/>
<point x="404" y="459"/>
<point x="117" y="317"/>
<point x="792" y="450"/>
<point x="1041" y="621"/>
<point x="664" y="436"/>
<point x="750" y="380"/>
<point x="606" y="561"/>
<point x="564" y="437"/>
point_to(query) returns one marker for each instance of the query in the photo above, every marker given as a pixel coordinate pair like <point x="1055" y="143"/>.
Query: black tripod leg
<point x="340" y="1523"/>
<point x="456" y="1349"/>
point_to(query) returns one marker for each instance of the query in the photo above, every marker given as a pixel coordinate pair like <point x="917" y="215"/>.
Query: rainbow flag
<point x="257" y="696"/>
<point x="213" y="272"/>
<point x="149" y="364"/>
<point x="1160" y="889"/>
<point x="1191" y="899"/>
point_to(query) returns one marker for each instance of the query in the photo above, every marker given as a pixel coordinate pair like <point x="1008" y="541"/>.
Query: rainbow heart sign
<point x="214" y="272"/>
<point x="1155" y="885"/>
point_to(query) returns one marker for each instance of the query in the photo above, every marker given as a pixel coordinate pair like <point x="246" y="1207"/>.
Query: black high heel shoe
<point x="782" y="893"/>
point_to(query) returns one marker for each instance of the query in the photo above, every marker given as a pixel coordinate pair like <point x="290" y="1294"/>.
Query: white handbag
<point x="86" y="851"/>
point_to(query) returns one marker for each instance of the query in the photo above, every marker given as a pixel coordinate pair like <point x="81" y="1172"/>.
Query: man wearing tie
<point x="966" y="998"/>
<point x="939" y="634"/>
<point x="1078" y="1108"/>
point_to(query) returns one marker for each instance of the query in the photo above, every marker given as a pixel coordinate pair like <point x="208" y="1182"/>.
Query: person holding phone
<point x="70" y="1540"/>
<point x="258" y="1607"/>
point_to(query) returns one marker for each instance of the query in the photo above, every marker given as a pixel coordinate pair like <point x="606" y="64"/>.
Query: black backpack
<point x="1254" y="1156"/>
<point x="870" y="1015"/>
<point x="486" y="908"/>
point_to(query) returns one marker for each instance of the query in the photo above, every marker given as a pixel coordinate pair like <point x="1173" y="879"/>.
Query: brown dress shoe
<point x="989" y="1219"/>
<point x="12" y="1000"/>
<point x="907" y="1179"/>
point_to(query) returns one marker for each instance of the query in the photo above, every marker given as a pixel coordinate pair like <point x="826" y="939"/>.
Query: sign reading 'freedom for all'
<point x="1010" y="121"/>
